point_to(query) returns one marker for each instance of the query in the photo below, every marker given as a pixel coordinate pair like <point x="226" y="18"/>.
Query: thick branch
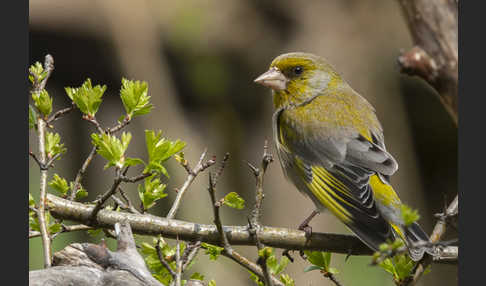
<point x="434" y="28"/>
<point x="89" y="264"/>
<point x="237" y="235"/>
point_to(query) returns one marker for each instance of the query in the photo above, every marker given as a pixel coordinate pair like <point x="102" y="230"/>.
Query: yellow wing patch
<point x="384" y="193"/>
<point x="323" y="186"/>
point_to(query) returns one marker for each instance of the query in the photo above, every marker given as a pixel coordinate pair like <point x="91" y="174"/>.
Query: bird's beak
<point x="273" y="79"/>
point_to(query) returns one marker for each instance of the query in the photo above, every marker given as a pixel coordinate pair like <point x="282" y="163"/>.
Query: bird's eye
<point x="298" y="70"/>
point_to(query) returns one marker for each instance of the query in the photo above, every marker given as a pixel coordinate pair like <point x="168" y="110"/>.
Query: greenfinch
<point x="331" y="147"/>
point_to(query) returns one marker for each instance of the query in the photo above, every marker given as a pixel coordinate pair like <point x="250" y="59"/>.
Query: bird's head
<point x="296" y="77"/>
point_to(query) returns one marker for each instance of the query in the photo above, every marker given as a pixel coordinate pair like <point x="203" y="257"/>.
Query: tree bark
<point x="88" y="264"/>
<point x="434" y="29"/>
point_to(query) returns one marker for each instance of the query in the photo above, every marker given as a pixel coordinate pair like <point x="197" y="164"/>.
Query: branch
<point x="91" y="264"/>
<point x="237" y="235"/>
<point x="437" y="233"/>
<point x="192" y="173"/>
<point x="79" y="176"/>
<point x="254" y="223"/>
<point x="163" y="261"/>
<point x="106" y="196"/>
<point x="41" y="129"/>
<point x="434" y="28"/>
<point x="65" y="228"/>
<point x="60" y="113"/>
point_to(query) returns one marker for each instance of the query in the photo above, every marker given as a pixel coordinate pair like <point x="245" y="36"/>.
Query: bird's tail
<point x="417" y="242"/>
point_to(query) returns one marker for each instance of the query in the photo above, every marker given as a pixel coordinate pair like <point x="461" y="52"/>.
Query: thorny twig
<point x="228" y="250"/>
<point x="106" y="196"/>
<point x="124" y="206"/>
<point x="439" y="230"/>
<point x="60" y="113"/>
<point x="192" y="173"/>
<point x="190" y="253"/>
<point x="41" y="128"/>
<point x="254" y="224"/>
<point x="95" y="122"/>
<point x="163" y="260"/>
<point x="127" y="200"/>
<point x="79" y="175"/>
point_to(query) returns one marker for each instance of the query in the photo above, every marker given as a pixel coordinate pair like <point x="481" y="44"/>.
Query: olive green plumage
<point x="331" y="147"/>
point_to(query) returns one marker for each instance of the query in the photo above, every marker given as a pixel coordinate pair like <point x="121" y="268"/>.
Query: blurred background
<point x="199" y="59"/>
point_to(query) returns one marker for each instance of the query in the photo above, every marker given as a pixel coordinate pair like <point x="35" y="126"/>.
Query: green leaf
<point x="233" y="200"/>
<point x="213" y="250"/>
<point x="95" y="232"/>
<point x="133" y="162"/>
<point x="151" y="191"/>
<point x="332" y="270"/>
<point x="111" y="148"/>
<point x="255" y="278"/>
<point x="322" y="259"/>
<point x="403" y="266"/>
<point x="31" y="201"/>
<point x="409" y="215"/>
<point x="43" y="102"/>
<point x="313" y="267"/>
<point x="34" y="222"/>
<point x="32" y="118"/>
<point x="284" y="261"/>
<point x="287" y="280"/>
<point x="265" y="252"/>
<point x="212" y="283"/>
<point x="134" y="97"/>
<point x="53" y="145"/>
<point x="197" y="276"/>
<point x="55" y="228"/>
<point x="160" y="150"/>
<point x="59" y="184"/>
<point x="81" y="193"/>
<point x="37" y="70"/>
<point x="86" y="97"/>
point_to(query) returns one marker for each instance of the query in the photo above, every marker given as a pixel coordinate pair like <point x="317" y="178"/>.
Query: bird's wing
<point x="340" y="186"/>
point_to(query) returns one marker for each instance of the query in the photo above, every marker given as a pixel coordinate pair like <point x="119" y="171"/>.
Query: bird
<point x="331" y="146"/>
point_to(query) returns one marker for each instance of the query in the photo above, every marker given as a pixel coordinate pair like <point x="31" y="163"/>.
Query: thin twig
<point x="123" y="205"/>
<point x="331" y="277"/>
<point x="106" y="196"/>
<point x="254" y="223"/>
<point x="119" y="126"/>
<point x="439" y="230"/>
<point x="178" y="264"/>
<point x="79" y="175"/>
<point x="48" y="67"/>
<point x="136" y="178"/>
<point x="95" y="122"/>
<point x="41" y="166"/>
<point x="221" y="168"/>
<point x="163" y="260"/>
<point x="49" y="163"/>
<point x="201" y="166"/>
<point x="190" y="253"/>
<point x="254" y="268"/>
<point x="216" y="218"/>
<point x="60" y="113"/>
<point x="41" y="129"/>
<point x="65" y="228"/>
<point x="129" y="203"/>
